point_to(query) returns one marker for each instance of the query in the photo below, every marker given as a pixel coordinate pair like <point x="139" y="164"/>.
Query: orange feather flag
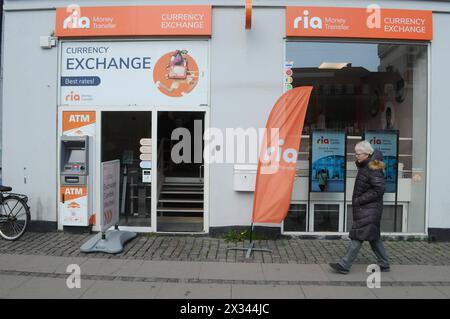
<point x="278" y="156"/>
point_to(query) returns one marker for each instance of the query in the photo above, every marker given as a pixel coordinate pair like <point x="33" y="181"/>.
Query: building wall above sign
<point x="76" y="21"/>
<point x="371" y="22"/>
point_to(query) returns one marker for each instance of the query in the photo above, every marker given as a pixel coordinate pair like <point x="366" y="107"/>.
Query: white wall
<point x="439" y="124"/>
<point x="29" y="111"/>
<point x="246" y="81"/>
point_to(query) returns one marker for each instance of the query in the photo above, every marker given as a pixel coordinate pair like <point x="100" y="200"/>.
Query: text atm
<point x="75" y="203"/>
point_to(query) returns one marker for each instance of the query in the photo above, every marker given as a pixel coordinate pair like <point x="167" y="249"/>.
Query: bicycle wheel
<point x="15" y="217"/>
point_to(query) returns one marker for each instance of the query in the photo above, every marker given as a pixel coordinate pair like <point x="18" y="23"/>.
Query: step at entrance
<point x="181" y="201"/>
<point x="180" y="210"/>
<point x="181" y="192"/>
<point x="195" y="185"/>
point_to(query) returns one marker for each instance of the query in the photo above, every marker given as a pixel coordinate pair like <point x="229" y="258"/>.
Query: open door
<point x="180" y="172"/>
<point x="122" y="136"/>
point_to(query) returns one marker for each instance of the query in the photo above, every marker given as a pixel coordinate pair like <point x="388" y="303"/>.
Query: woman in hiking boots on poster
<point x="367" y="202"/>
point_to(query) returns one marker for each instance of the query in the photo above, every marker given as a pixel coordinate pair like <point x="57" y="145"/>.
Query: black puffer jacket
<point x="367" y="198"/>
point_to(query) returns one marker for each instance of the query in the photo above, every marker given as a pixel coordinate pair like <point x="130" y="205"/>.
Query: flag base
<point x="111" y="242"/>
<point x="250" y="249"/>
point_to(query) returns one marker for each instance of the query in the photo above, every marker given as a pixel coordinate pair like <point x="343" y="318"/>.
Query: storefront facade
<point x="106" y="81"/>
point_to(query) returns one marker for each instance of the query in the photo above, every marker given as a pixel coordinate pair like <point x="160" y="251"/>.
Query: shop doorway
<point x="122" y="133"/>
<point x="180" y="172"/>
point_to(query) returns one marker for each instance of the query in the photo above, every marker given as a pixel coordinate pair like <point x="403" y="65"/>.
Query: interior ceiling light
<point x="333" y="65"/>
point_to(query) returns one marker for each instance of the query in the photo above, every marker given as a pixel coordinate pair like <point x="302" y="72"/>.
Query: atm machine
<point x="75" y="181"/>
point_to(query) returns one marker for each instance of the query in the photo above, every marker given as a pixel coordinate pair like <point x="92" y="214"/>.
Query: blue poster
<point x="327" y="161"/>
<point x="387" y="143"/>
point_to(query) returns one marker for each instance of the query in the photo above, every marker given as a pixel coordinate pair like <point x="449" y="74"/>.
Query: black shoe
<point x="337" y="267"/>
<point x="385" y="269"/>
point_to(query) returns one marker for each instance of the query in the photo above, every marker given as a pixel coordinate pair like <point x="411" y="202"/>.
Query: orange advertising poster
<point x="371" y="22"/>
<point x="278" y="156"/>
<point x="76" y="21"/>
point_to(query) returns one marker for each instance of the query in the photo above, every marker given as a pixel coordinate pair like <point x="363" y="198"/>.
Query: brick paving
<point x="203" y="248"/>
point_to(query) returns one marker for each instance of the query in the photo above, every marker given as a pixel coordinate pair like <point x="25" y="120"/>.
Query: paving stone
<point x="242" y="291"/>
<point x="409" y="293"/>
<point x="48" y="288"/>
<point x="194" y="291"/>
<point x="122" y="290"/>
<point x="284" y="251"/>
<point x="9" y="283"/>
<point x="337" y="292"/>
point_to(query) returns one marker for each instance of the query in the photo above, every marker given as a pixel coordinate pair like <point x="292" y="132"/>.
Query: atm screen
<point x="76" y="156"/>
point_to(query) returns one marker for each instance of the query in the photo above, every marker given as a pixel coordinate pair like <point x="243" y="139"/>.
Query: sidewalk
<point x="35" y="276"/>
<point x="202" y="248"/>
<point x="154" y="266"/>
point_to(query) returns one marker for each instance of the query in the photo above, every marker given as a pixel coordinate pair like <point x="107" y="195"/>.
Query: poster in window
<point x="387" y="142"/>
<point x="327" y="172"/>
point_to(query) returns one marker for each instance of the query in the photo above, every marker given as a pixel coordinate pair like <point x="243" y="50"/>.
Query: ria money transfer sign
<point x="327" y="161"/>
<point x="134" y="73"/>
<point x="387" y="143"/>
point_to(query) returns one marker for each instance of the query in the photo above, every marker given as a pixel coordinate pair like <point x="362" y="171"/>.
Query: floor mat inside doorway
<point x="180" y="224"/>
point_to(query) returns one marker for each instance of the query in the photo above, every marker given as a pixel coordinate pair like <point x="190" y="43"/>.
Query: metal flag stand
<point x="251" y="247"/>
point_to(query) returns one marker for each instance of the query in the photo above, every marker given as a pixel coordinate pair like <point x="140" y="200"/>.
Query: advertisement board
<point x="110" y="194"/>
<point x="327" y="171"/>
<point x="387" y="143"/>
<point x="74" y="205"/>
<point x="130" y="73"/>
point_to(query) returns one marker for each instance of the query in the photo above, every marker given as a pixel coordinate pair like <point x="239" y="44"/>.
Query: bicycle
<point x="14" y="214"/>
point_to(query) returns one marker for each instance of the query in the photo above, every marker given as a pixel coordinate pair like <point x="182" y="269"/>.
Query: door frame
<point x="100" y="109"/>
<point x="206" y="179"/>
<point x="154" y="201"/>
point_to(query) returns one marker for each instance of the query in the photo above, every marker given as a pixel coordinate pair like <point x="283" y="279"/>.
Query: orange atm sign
<point x="370" y="22"/>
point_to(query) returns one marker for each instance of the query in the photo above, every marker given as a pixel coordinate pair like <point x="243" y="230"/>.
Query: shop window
<point x="391" y="220"/>
<point x="369" y="86"/>
<point x="296" y="218"/>
<point x="326" y="217"/>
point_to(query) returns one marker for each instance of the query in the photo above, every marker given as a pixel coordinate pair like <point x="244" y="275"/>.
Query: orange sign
<point x="248" y="14"/>
<point x="76" y="21"/>
<point x="72" y="193"/>
<point x="371" y="22"/>
<point x="77" y="119"/>
<point x="278" y="158"/>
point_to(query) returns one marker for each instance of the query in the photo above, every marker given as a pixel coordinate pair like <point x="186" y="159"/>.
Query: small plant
<point x="235" y="236"/>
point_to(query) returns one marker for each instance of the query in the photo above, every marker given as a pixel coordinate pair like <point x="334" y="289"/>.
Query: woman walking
<point x="367" y="202"/>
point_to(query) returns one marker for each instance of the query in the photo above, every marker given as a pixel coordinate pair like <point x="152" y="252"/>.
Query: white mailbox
<point x="244" y="178"/>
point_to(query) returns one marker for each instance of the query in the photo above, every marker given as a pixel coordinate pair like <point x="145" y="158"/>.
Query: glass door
<point x="127" y="136"/>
